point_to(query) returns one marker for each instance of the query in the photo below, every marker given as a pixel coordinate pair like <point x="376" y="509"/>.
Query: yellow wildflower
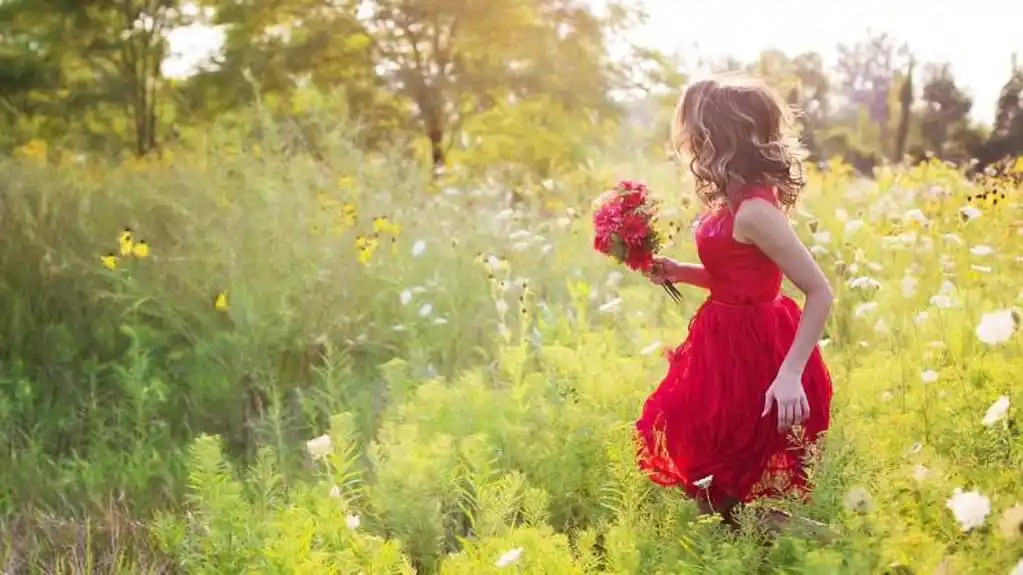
<point x="141" y="249"/>
<point x="382" y="225"/>
<point x="365" y="246"/>
<point x="348" y="215"/>
<point x="110" y="261"/>
<point x="220" y="301"/>
<point x="125" y="240"/>
<point x="346" y="183"/>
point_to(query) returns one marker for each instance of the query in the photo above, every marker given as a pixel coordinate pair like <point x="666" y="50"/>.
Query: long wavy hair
<point x="736" y="132"/>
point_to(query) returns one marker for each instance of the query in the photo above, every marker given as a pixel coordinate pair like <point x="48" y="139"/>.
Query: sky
<point x="976" y="37"/>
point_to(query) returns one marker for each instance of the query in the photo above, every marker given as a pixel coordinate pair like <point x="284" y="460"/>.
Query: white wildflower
<point x="651" y="348"/>
<point x="909" y="285"/>
<point x="508" y="557"/>
<point x="970" y="212"/>
<point x="418" y="248"/>
<point x="916" y="215"/>
<point x="319" y="447"/>
<point x="996" y="327"/>
<point x="704" y="483"/>
<point x="858" y="499"/>
<point x="982" y="250"/>
<point x="425" y="310"/>
<point x="865" y="283"/>
<point x="822" y="237"/>
<point x="941" y="301"/>
<point x="611" y="306"/>
<point x="352" y="521"/>
<point x="405" y="297"/>
<point x="996" y="412"/>
<point x="335" y="492"/>
<point x="881" y="326"/>
<point x="950" y="237"/>
<point x="864" y="308"/>
<point x="970" y="508"/>
<point x="853" y="226"/>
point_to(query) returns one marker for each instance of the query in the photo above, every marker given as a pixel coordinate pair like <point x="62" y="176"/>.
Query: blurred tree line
<point x="526" y="83"/>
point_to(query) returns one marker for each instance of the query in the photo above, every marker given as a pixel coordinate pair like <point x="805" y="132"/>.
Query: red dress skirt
<point x="702" y="428"/>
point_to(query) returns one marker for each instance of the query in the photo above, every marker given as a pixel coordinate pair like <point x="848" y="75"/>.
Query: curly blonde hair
<point x="737" y="131"/>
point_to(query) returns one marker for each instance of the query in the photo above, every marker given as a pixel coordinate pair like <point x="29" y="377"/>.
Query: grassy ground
<point x="338" y="367"/>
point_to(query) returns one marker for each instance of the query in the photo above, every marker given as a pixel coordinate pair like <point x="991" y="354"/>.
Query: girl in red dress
<point x="747" y="395"/>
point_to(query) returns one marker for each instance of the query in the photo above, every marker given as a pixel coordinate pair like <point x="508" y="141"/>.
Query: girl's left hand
<point x="787" y="392"/>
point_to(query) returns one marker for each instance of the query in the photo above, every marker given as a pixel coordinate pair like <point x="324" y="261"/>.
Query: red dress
<point x="704" y="419"/>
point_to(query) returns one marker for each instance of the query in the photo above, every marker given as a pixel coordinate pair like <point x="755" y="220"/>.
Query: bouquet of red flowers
<point x="624" y="230"/>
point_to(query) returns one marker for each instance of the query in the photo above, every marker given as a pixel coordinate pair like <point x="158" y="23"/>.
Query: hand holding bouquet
<point x="623" y="226"/>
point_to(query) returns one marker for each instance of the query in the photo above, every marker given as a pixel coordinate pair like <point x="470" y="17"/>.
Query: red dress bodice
<point x="741" y="274"/>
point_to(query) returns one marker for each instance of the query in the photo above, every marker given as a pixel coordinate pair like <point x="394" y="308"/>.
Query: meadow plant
<point x="237" y="358"/>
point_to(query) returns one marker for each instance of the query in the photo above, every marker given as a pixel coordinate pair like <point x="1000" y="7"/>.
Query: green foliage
<point x="320" y="364"/>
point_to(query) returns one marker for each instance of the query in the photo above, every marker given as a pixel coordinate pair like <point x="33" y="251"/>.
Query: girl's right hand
<point x="664" y="270"/>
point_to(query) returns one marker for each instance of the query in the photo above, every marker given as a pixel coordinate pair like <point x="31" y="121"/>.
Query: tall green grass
<point x="476" y="374"/>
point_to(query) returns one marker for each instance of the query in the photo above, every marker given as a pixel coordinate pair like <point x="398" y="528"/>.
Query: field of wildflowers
<point x="241" y="360"/>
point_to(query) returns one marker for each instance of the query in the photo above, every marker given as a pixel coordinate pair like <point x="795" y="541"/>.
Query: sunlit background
<point x="310" y="287"/>
<point x="979" y="51"/>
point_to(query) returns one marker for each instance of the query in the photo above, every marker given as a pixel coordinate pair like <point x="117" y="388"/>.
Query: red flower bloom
<point x="640" y="259"/>
<point x="634" y="229"/>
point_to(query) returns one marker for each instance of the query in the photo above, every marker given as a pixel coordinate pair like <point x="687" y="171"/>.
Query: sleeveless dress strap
<point x="757" y="191"/>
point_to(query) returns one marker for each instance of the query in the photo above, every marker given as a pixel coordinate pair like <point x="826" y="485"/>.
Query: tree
<point x="101" y="57"/>
<point x="454" y="58"/>
<point x="945" y="119"/>
<point x="905" y="111"/>
<point x="866" y="74"/>
<point x="275" y="51"/>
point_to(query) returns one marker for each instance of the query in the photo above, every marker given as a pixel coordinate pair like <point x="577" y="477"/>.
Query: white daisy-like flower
<point x="865" y="283"/>
<point x="909" y="285"/>
<point x="858" y="499"/>
<point x="996" y="412"/>
<point x="996" y="327"/>
<point x="319" y="447"/>
<point x="501" y="306"/>
<point x="864" y="308"/>
<point x="929" y="376"/>
<point x="916" y="215"/>
<point x="425" y="310"/>
<point x="352" y="521"/>
<point x="509" y="557"/>
<point x="418" y="248"/>
<point x="853" y="226"/>
<point x="970" y="212"/>
<point x="969" y="508"/>
<point x="405" y="297"/>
